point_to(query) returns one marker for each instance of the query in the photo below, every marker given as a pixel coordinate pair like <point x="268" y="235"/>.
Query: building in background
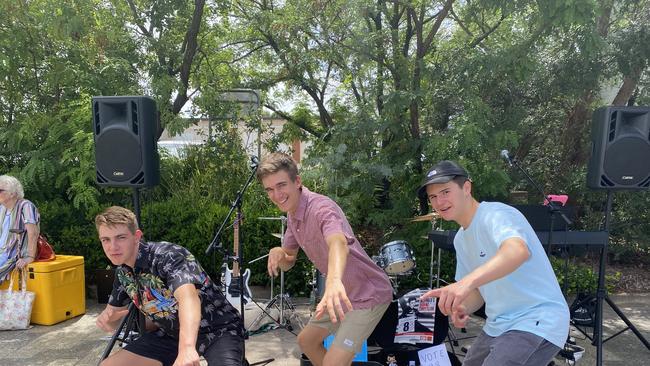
<point x="199" y="133"/>
<point x="238" y="105"/>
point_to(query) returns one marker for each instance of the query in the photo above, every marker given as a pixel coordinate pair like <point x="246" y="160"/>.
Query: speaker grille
<point x="135" y="123"/>
<point x="626" y="161"/>
<point x="612" y="127"/>
<point x="118" y="154"/>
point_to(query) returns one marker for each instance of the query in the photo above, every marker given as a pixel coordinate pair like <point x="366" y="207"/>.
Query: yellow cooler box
<point x="60" y="289"/>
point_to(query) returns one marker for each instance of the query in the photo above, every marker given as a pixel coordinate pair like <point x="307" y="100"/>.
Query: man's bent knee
<point x="337" y="356"/>
<point x="311" y="337"/>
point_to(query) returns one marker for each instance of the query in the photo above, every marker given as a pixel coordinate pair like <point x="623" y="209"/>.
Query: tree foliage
<point x="381" y="90"/>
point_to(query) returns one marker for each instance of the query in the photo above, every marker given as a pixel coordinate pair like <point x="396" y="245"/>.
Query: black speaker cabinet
<point x="126" y="152"/>
<point x="620" y="148"/>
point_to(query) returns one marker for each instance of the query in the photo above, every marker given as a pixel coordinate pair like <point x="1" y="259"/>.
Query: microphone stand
<point x="553" y="209"/>
<point x="237" y="205"/>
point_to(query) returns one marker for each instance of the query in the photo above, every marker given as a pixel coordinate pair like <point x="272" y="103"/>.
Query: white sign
<point x="406" y="325"/>
<point x="434" y="356"/>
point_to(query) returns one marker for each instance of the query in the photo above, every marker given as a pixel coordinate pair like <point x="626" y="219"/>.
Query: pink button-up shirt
<point x="317" y="217"/>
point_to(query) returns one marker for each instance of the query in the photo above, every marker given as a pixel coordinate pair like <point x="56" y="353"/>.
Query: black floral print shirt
<point x="161" y="268"/>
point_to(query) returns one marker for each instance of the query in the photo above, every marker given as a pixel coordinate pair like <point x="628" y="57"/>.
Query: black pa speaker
<point x="620" y="148"/>
<point x="126" y="150"/>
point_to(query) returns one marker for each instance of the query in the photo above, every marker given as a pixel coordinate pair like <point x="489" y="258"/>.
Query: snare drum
<point x="397" y="257"/>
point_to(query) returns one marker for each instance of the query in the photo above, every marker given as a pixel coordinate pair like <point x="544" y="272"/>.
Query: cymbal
<point x="277" y="235"/>
<point x="428" y="217"/>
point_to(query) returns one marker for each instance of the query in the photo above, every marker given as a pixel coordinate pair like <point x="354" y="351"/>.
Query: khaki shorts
<point x="354" y="329"/>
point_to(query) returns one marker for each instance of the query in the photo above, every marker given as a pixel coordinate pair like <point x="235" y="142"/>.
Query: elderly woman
<point x="20" y="227"/>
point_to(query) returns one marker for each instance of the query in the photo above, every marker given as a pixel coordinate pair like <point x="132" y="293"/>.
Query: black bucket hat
<point x="442" y="172"/>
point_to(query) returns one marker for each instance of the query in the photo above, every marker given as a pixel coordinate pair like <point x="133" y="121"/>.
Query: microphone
<point x="254" y="162"/>
<point x="506" y="155"/>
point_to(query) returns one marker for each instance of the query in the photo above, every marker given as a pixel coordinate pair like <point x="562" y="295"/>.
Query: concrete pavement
<point x="78" y="342"/>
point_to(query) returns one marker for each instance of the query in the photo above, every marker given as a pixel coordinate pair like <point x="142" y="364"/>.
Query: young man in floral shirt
<point x="167" y="284"/>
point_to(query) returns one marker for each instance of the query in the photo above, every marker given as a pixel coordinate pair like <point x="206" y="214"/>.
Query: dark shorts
<point x="511" y="348"/>
<point x="226" y="350"/>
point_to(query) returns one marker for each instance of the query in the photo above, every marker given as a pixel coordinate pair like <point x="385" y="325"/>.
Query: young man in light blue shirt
<point x="500" y="263"/>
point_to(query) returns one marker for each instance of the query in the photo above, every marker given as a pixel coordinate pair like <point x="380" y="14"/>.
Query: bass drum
<point x="397" y="258"/>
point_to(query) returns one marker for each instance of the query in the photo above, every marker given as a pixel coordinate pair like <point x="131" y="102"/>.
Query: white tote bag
<point x="16" y="306"/>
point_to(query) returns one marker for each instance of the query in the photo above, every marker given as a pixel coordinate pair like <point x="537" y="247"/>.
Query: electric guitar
<point x="230" y="278"/>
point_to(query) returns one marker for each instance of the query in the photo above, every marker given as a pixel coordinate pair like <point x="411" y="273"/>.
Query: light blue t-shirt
<point x="528" y="299"/>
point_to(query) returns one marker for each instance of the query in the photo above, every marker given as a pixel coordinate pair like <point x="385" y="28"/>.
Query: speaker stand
<point x="601" y="294"/>
<point x="134" y="319"/>
<point x="124" y="332"/>
<point x="136" y="209"/>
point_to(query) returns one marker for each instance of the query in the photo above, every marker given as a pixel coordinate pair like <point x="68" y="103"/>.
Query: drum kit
<point x="396" y="259"/>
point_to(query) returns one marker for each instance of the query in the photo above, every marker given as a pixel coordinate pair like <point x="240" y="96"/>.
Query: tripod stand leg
<point x="294" y="316"/>
<point x="601" y="294"/>
<point x="453" y="340"/>
<point x="127" y="325"/>
<point x="627" y="322"/>
<point x="265" y="312"/>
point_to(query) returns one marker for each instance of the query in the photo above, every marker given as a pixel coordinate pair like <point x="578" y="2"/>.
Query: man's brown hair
<point x="276" y="162"/>
<point x="116" y="215"/>
<point x="460" y="180"/>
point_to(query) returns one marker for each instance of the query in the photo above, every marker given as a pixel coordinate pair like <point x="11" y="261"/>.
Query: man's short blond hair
<point x="276" y="162"/>
<point x="116" y="215"/>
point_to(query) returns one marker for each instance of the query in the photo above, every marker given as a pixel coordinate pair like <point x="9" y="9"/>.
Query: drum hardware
<point x="279" y="218"/>
<point x="281" y="301"/>
<point x="258" y="258"/>
<point x="434" y="216"/>
<point x="428" y="217"/>
<point x="394" y="281"/>
<point x="452" y="338"/>
<point x="317" y="290"/>
<point x="431" y="217"/>
<point x="396" y="258"/>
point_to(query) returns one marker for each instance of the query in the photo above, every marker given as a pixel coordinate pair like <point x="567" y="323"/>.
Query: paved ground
<point x="78" y="342"/>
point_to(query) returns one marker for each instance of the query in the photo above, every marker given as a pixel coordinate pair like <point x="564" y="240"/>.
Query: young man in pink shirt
<point x="357" y="291"/>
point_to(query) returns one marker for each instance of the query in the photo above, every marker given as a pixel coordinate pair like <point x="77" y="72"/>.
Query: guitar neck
<point x="235" y="265"/>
